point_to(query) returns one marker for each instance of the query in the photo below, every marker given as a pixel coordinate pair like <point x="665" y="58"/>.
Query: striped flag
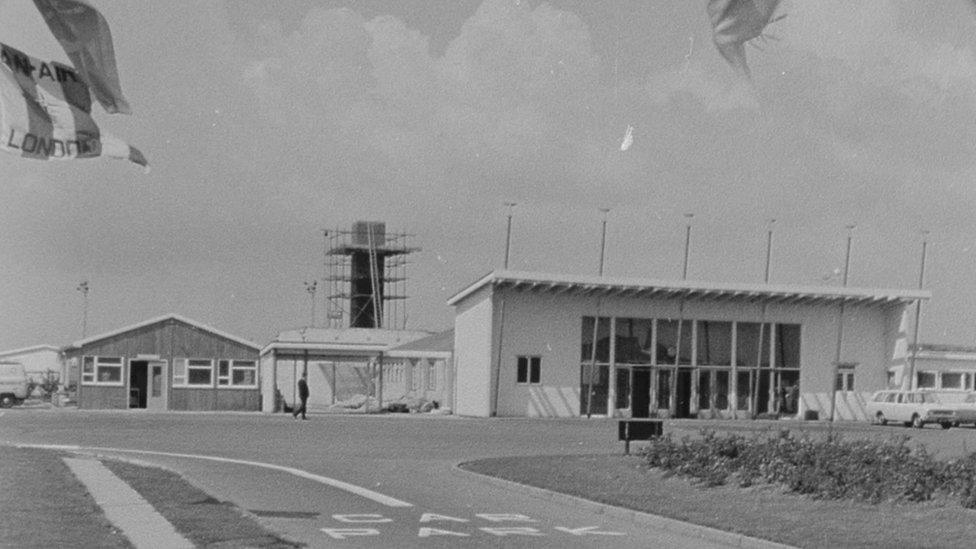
<point x="735" y="22"/>
<point x="45" y="112"/>
<point x="86" y="38"/>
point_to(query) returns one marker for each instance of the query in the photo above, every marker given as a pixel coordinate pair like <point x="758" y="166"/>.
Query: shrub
<point x="827" y="468"/>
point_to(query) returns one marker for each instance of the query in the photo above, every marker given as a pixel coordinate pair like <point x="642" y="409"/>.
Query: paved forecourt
<point x="389" y="481"/>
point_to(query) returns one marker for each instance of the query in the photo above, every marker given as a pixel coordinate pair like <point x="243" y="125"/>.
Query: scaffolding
<point x="366" y="276"/>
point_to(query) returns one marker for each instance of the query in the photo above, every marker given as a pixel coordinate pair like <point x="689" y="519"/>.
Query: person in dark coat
<point x="303" y="395"/>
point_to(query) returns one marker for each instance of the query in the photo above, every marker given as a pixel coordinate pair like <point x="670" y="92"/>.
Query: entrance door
<point x="138" y="374"/>
<point x="683" y="397"/>
<point x="156" y="390"/>
<point x="640" y="396"/>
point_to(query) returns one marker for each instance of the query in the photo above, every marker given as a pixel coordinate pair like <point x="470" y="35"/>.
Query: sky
<point x="267" y="122"/>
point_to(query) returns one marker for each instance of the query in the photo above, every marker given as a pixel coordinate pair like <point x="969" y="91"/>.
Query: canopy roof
<point x="598" y="286"/>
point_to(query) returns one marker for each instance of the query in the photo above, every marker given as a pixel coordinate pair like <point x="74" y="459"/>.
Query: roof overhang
<point x="607" y="287"/>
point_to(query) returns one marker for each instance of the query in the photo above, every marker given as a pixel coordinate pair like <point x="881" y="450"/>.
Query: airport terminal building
<point x="548" y="345"/>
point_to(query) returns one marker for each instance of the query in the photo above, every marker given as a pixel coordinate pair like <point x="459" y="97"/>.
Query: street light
<point x="840" y="323"/>
<point x="508" y="232"/>
<point x="84" y="289"/>
<point x="684" y="268"/>
<point x="310" y="287"/>
<point x="918" y="314"/>
<point x="603" y="237"/>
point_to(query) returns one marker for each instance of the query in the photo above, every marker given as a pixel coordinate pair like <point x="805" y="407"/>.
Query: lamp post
<point x="918" y="314"/>
<point x="596" y="318"/>
<point x="603" y="237"/>
<point x="840" y="323"/>
<point x="84" y="288"/>
<point x="508" y="232"/>
<point x="684" y="267"/>
<point x="310" y="287"/>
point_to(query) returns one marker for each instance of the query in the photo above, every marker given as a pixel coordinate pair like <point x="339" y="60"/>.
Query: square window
<point x="101" y="370"/>
<point x="528" y="370"/>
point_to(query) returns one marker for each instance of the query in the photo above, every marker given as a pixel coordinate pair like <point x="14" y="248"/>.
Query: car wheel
<point x="917" y="422"/>
<point x="881" y="419"/>
<point x="6" y="401"/>
<point x="945" y="424"/>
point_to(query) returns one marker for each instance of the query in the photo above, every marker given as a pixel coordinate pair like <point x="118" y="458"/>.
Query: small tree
<point x="49" y="384"/>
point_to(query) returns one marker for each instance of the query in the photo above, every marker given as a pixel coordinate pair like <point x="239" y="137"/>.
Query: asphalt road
<point x="365" y="481"/>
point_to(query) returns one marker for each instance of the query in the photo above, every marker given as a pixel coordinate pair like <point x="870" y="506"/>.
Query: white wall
<point x="473" y="356"/>
<point x="550" y="326"/>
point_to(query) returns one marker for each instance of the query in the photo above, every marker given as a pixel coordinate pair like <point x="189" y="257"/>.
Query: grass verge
<point x="199" y="517"/>
<point x="759" y="511"/>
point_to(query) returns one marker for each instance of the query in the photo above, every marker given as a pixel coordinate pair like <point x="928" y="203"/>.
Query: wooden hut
<point x="166" y="363"/>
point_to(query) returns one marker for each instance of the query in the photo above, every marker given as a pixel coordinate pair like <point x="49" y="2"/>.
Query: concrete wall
<point x="549" y="326"/>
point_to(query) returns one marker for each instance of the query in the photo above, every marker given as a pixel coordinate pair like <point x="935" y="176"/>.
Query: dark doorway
<point x="683" y="387"/>
<point x="640" y="393"/>
<point x="762" y="396"/>
<point x="138" y="383"/>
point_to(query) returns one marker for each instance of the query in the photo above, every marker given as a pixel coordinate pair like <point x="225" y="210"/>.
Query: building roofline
<point x="151" y="321"/>
<point x="32" y="348"/>
<point x="643" y="287"/>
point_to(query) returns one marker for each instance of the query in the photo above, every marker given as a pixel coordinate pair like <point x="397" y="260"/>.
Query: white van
<point x="13" y="383"/>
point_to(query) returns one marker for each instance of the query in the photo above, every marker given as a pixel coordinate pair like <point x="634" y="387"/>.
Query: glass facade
<point x="688" y="367"/>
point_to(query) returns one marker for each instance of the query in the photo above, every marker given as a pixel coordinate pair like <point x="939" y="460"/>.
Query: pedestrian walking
<point x="303" y="396"/>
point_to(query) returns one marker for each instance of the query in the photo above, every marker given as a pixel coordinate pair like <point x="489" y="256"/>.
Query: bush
<point x="828" y="468"/>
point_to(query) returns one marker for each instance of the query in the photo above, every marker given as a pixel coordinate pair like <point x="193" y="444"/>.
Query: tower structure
<point x="366" y="276"/>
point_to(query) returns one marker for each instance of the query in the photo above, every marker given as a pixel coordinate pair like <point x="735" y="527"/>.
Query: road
<point x="365" y="481"/>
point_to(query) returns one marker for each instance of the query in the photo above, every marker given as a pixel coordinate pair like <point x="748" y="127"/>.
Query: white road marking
<point x="591" y="530"/>
<point x="351" y="488"/>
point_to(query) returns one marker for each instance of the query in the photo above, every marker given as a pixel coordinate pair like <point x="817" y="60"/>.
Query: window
<point x="602" y="337"/>
<point x="633" y="341"/>
<point x="845" y="380"/>
<point x="926" y="380"/>
<point x="101" y="370"/>
<point x="752" y="344"/>
<point x="223" y="372"/>
<point x="243" y="373"/>
<point x="668" y="349"/>
<point x="432" y="376"/>
<point x="788" y="346"/>
<point x="952" y="380"/>
<point x="528" y="370"/>
<point x="237" y="373"/>
<point x="195" y="372"/>
<point x="714" y="343"/>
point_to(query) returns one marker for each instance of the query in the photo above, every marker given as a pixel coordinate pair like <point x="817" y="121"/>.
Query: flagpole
<point x="918" y="315"/>
<point x="754" y="379"/>
<point x="596" y="319"/>
<point x="840" y="325"/>
<point x="508" y="232"/>
<point x="681" y="313"/>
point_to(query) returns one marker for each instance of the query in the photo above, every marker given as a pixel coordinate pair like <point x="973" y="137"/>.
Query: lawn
<point x="763" y="512"/>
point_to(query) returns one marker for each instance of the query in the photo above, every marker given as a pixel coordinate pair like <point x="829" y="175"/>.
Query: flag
<point x="45" y="112"/>
<point x="628" y="139"/>
<point x="735" y="22"/>
<point x="86" y="38"/>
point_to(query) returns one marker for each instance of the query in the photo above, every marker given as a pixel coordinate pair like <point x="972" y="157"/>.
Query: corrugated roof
<point x="639" y="287"/>
<point x="151" y="321"/>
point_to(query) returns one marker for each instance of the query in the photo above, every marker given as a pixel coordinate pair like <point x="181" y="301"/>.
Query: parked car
<point x="913" y="408"/>
<point x="966" y="410"/>
<point x="13" y="383"/>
